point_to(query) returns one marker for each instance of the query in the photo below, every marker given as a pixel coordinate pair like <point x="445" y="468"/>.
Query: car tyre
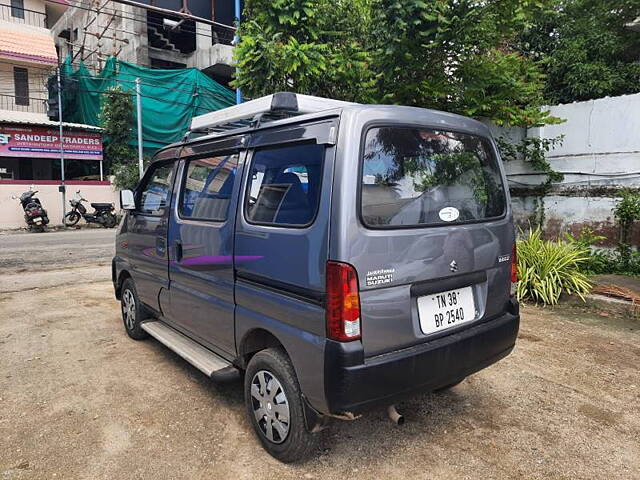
<point x="275" y="407"/>
<point x="133" y="311"/>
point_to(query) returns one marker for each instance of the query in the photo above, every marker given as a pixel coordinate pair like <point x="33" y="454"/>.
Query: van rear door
<point x="433" y="236"/>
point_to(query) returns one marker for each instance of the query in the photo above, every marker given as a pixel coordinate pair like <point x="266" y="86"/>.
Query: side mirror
<point x="127" y="200"/>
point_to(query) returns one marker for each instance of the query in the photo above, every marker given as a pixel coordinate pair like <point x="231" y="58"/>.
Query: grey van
<point x="339" y="255"/>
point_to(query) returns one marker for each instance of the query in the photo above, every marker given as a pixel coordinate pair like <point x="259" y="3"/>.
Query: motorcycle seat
<point x="102" y="205"/>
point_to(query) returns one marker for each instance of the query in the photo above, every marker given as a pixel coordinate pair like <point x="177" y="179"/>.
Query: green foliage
<point x="586" y="239"/>
<point x="603" y="261"/>
<point x="585" y="50"/>
<point x="307" y="46"/>
<point x="533" y="150"/>
<point x="457" y="56"/>
<point x="116" y="118"/>
<point x="548" y="268"/>
<point x="599" y="261"/>
<point x="626" y="212"/>
<point x="127" y="175"/>
<point x="452" y="55"/>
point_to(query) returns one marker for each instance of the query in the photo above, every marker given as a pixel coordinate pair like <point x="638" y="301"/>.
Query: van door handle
<point x="178" y="246"/>
<point x="161" y="246"/>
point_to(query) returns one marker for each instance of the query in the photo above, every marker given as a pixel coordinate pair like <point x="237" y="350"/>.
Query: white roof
<point x="32" y="118"/>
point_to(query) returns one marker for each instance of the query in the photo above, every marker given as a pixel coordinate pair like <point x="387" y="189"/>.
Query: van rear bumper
<point x="353" y="384"/>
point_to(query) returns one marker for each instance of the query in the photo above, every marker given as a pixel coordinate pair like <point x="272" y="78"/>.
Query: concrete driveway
<point x="80" y="400"/>
<point x="44" y="260"/>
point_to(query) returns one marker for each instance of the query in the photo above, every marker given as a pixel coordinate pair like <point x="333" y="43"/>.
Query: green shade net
<point x="170" y="98"/>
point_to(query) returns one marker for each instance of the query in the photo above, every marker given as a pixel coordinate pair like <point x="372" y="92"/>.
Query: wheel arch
<point x="254" y="341"/>
<point x="124" y="274"/>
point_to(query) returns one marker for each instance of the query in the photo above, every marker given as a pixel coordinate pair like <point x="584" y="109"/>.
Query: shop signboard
<point x="42" y="142"/>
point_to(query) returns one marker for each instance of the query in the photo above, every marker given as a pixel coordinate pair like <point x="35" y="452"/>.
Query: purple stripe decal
<point x="218" y="260"/>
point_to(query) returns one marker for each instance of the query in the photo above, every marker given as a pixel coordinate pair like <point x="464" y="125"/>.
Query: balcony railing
<point x="222" y="34"/>
<point x="23" y="104"/>
<point x="23" y="16"/>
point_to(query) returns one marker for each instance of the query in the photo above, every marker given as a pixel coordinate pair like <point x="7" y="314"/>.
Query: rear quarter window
<point x="284" y="185"/>
<point x="417" y="177"/>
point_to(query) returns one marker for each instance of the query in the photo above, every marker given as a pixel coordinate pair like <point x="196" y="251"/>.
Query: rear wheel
<point x="133" y="312"/>
<point x="71" y="218"/>
<point x="274" y="405"/>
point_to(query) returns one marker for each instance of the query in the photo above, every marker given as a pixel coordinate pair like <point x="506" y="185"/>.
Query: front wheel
<point x="71" y="218"/>
<point x="274" y="405"/>
<point x="132" y="311"/>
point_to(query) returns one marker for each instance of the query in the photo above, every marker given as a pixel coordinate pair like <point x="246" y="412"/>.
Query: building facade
<point x="30" y="144"/>
<point x="91" y="34"/>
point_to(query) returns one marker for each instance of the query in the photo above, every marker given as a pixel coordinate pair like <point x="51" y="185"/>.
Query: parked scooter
<point x="103" y="213"/>
<point x="35" y="215"/>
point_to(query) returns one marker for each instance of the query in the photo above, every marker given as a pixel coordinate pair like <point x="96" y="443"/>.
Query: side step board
<point x="194" y="353"/>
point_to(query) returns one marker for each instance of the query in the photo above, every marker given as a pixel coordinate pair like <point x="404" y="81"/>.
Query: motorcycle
<point x="34" y="215"/>
<point x="103" y="213"/>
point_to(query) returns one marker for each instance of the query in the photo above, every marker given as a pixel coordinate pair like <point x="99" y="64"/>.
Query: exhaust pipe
<point x="395" y="417"/>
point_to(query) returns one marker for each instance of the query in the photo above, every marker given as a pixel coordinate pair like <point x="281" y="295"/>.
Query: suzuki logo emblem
<point x="453" y="266"/>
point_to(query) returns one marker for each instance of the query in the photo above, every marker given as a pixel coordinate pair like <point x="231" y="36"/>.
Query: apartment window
<point x="17" y="8"/>
<point x="21" y="82"/>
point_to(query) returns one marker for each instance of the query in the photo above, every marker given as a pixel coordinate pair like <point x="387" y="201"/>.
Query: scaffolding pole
<point x="236" y="40"/>
<point x="139" y="115"/>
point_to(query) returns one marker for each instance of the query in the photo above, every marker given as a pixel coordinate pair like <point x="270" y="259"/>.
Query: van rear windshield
<point x="418" y="176"/>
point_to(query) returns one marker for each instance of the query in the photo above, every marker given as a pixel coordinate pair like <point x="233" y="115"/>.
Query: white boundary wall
<point x="599" y="155"/>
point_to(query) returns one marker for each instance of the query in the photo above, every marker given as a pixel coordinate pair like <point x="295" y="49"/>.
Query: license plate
<point x="37" y="219"/>
<point x="443" y="310"/>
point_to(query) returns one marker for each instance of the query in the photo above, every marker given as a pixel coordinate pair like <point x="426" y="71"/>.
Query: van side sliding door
<point x="281" y="240"/>
<point x="201" y="267"/>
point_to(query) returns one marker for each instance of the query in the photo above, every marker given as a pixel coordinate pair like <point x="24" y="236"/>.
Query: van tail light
<point x="514" y="270"/>
<point x="343" y="302"/>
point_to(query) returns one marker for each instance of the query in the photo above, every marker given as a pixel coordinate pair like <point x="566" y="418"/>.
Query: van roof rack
<point x="267" y="108"/>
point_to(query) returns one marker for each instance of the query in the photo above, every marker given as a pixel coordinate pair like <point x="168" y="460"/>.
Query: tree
<point x="459" y="56"/>
<point x="453" y="55"/>
<point x="307" y="46"/>
<point x="116" y="118"/>
<point x="585" y="50"/>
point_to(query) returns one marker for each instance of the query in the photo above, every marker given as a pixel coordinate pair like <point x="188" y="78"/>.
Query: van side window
<point x="207" y="187"/>
<point x="156" y="192"/>
<point x="284" y="185"/>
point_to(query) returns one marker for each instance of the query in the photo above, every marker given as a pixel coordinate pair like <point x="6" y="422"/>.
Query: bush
<point x="127" y="175"/>
<point x="548" y="268"/>
<point x="599" y="260"/>
<point x="626" y="212"/>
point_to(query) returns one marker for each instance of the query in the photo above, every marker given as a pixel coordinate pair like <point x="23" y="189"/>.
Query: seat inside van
<point x="285" y="185"/>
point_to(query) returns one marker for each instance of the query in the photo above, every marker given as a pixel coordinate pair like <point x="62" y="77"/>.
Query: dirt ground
<point x="80" y="400"/>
